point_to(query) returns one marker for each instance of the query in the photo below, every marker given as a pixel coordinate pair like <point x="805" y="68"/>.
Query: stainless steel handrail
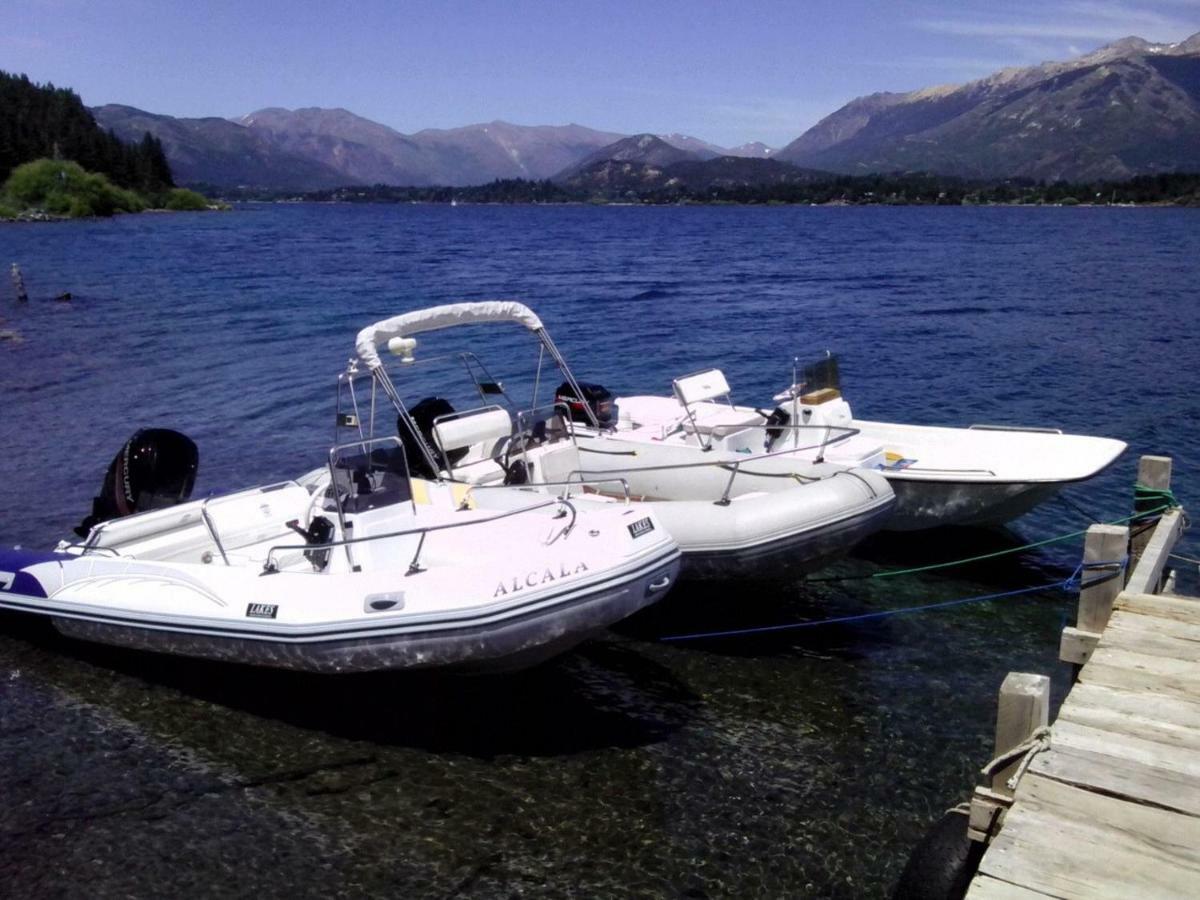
<point x="582" y="482"/>
<point x="211" y="526"/>
<point x="269" y="565"/>
<point x="719" y="462"/>
<point x="736" y="464"/>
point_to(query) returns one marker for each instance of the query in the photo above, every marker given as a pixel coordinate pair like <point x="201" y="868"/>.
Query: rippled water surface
<point x="803" y="762"/>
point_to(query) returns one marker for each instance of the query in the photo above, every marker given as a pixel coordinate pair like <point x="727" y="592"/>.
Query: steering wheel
<point x="514" y="469"/>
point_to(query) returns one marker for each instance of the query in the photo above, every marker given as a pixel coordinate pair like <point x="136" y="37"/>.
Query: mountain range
<point x="1129" y="108"/>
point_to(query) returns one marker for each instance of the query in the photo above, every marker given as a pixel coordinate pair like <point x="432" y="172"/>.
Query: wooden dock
<point x="1111" y="807"/>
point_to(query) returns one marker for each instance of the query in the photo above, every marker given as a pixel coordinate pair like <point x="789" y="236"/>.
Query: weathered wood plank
<point x="1153" y="637"/>
<point x="1133" y="620"/>
<point x="1147" y="575"/>
<point x="1069" y="842"/>
<point x="984" y="887"/>
<point x="1165" y="667"/>
<point x="1123" y="677"/>
<point x="1181" y="610"/>
<point x="1122" y="765"/>
<point x="1159" y="717"/>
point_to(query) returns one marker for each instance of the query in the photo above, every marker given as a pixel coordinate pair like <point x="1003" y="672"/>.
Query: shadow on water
<point x="603" y="695"/>
<point x="760" y="618"/>
<point x="849" y="610"/>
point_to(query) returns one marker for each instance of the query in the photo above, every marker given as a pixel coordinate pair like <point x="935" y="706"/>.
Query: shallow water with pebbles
<point x="803" y="762"/>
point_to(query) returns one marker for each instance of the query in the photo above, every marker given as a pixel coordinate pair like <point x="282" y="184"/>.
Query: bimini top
<point x="373" y="336"/>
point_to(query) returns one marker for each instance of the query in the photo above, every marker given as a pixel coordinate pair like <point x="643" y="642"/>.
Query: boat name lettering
<point x="641" y="526"/>
<point x="536" y="578"/>
<point x="261" y="610"/>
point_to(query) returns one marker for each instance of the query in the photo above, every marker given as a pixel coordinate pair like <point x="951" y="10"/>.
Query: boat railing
<point x="568" y="508"/>
<point x="568" y="483"/>
<point x="206" y="516"/>
<point x="845" y="432"/>
<point x="734" y="465"/>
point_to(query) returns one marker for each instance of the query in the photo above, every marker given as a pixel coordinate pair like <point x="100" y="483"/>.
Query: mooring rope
<point x="1071" y="583"/>
<point x="1038" y="741"/>
<point x="890" y="573"/>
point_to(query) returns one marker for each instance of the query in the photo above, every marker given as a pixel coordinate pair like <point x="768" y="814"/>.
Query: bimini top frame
<point x="393" y="332"/>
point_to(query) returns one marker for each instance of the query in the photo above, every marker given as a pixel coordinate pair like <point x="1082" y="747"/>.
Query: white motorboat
<point x="982" y="475"/>
<point x="733" y="509"/>
<point x="356" y="566"/>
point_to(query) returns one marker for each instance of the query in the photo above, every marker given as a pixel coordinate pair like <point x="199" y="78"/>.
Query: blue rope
<point x="1071" y="583"/>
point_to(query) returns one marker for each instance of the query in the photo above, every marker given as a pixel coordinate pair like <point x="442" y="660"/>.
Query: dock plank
<point x="1132" y="768"/>
<point x="984" y="887"/>
<point x="1176" y="608"/>
<point x="1068" y="842"/>
<point x="1167" y="720"/>
<point x="1113" y="667"/>
<point x="1168" y="639"/>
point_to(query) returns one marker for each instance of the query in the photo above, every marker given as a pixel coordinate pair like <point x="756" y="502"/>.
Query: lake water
<point x="800" y="763"/>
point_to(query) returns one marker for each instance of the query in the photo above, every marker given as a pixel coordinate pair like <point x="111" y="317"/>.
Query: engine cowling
<point x="156" y="468"/>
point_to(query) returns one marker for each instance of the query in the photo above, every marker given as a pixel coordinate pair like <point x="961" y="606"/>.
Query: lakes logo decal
<point x="261" y="610"/>
<point x="640" y="527"/>
<point x="537" y="578"/>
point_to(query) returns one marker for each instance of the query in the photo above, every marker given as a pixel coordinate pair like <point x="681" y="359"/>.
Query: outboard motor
<point x="155" y="469"/>
<point x="595" y="396"/>
<point x="424" y="414"/>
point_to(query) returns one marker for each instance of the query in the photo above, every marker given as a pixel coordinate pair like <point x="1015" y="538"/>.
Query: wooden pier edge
<point x="1111" y="808"/>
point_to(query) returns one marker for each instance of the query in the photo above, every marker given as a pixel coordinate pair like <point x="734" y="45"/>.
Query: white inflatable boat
<point x="982" y="475"/>
<point x="733" y="509"/>
<point x="357" y="566"/>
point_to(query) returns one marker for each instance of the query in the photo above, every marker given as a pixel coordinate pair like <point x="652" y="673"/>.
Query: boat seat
<point x="707" y="385"/>
<point x="719" y="418"/>
<point x="653" y="412"/>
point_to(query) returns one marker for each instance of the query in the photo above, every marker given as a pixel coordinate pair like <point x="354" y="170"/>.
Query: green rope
<point x="962" y="562"/>
<point x="1144" y="496"/>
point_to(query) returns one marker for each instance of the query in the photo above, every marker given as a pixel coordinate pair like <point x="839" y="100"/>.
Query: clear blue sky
<point x="728" y="72"/>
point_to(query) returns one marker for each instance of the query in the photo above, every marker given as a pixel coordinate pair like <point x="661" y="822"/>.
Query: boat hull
<point x="513" y="622"/>
<point x="924" y="504"/>
<point x="791" y="555"/>
<point x="768" y="517"/>
<point x="516" y="644"/>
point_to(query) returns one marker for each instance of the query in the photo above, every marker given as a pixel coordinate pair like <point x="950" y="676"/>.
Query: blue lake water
<point x="807" y="762"/>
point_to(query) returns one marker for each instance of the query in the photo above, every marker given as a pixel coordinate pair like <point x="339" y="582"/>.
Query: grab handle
<point x="661" y="585"/>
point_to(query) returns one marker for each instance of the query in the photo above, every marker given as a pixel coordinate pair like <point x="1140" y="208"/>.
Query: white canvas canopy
<point x="436" y="317"/>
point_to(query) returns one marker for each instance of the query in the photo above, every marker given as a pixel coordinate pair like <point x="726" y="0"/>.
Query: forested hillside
<point x="42" y="121"/>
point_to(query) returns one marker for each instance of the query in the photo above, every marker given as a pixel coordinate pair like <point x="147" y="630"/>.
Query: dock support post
<point x="1153" y="472"/>
<point x="19" y="284"/>
<point x="1023" y="707"/>
<point x="1104" y="544"/>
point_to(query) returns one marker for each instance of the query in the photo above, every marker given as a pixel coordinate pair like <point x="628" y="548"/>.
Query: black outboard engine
<point x="424" y="414"/>
<point x="595" y="396"/>
<point x="155" y="469"/>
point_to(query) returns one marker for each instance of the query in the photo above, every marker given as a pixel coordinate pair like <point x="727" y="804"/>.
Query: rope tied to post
<point x="1038" y="741"/>
<point x="1159" y="496"/>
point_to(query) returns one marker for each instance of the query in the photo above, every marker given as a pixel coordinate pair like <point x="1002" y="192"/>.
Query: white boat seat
<point x="475" y="427"/>
<point x="720" y="418"/>
<point x="646" y="411"/>
<point x="701" y="386"/>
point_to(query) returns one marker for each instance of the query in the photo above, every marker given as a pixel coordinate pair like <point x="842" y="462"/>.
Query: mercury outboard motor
<point x="595" y="396"/>
<point x="155" y="469"/>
